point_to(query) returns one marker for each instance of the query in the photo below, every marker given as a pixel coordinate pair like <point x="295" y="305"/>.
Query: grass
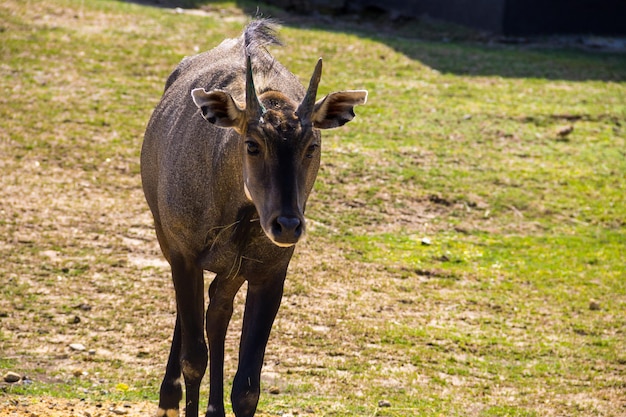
<point x="464" y="257"/>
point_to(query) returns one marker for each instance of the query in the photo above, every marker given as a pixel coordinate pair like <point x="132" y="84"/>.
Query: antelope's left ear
<point x="337" y="109"/>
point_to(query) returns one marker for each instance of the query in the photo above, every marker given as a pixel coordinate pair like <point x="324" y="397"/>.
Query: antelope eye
<point x="252" y="147"/>
<point x="310" y="150"/>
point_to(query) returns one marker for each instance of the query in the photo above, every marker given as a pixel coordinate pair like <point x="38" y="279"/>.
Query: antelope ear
<point x="337" y="109"/>
<point x="218" y="107"/>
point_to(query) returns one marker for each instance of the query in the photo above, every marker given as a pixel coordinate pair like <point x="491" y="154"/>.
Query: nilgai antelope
<point x="229" y="158"/>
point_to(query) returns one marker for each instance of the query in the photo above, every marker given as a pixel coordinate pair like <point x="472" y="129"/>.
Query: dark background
<point x="506" y="17"/>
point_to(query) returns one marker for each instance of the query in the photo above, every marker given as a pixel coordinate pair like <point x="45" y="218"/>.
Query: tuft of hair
<point x="259" y="34"/>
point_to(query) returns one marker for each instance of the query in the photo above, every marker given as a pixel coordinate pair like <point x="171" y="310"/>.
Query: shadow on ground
<point x="453" y="49"/>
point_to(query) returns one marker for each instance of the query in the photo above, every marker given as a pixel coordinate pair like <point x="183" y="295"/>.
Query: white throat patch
<point x="246" y="191"/>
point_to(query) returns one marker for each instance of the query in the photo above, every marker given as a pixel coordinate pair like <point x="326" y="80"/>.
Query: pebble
<point x="274" y="390"/>
<point x="84" y="307"/>
<point x="426" y="241"/>
<point x="594" y="305"/>
<point x="12" y="377"/>
<point x="563" y="131"/>
<point x="384" y="403"/>
<point x="79" y="347"/>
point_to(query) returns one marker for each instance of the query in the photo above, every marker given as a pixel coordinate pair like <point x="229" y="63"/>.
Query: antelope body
<point x="229" y="158"/>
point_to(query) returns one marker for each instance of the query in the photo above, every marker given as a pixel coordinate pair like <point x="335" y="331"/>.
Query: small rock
<point x="12" y="377"/>
<point x="563" y="131"/>
<point x="79" y="347"/>
<point x="594" y="305"/>
<point x="74" y="320"/>
<point x="426" y="241"/>
<point x="117" y="411"/>
<point x="384" y="403"/>
<point x="274" y="390"/>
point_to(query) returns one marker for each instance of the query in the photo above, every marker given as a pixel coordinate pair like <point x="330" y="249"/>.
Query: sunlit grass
<point x="463" y="258"/>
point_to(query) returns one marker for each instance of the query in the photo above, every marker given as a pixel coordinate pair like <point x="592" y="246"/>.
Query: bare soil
<point x="60" y="407"/>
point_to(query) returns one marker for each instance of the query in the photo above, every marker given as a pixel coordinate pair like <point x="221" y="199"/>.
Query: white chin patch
<point x="281" y="244"/>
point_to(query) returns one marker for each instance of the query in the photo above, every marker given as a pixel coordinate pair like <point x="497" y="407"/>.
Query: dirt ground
<point x="59" y="407"/>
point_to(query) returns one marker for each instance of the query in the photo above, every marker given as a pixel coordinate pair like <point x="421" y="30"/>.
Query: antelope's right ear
<point x="218" y="107"/>
<point x="337" y="109"/>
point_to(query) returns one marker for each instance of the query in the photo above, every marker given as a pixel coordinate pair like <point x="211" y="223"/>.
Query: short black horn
<point x="253" y="105"/>
<point x="305" y="110"/>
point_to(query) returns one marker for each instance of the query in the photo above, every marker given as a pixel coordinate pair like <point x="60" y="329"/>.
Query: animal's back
<point x="178" y="143"/>
<point x="217" y="68"/>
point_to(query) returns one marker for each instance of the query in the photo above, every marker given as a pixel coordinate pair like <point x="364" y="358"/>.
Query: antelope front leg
<point x="221" y="294"/>
<point x="171" y="391"/>
<point x="262" y="303"/>
<point x="189" y="286"/>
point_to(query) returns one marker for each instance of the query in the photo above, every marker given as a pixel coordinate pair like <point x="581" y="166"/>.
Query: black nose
<point x="287" y="229"/>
